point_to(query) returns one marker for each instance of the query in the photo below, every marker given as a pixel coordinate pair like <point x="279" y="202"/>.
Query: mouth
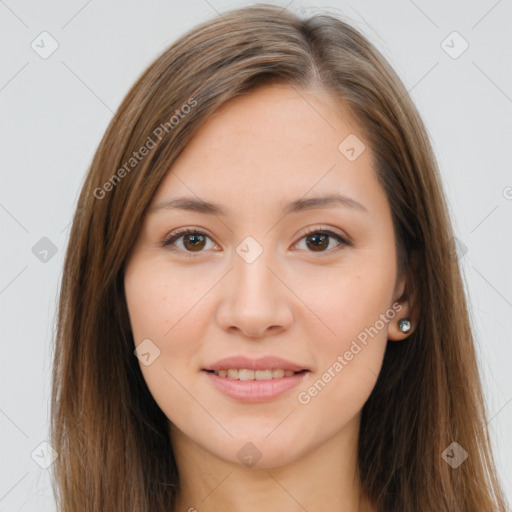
<point x="261" y="379"/>
<point x="246" y="374"/>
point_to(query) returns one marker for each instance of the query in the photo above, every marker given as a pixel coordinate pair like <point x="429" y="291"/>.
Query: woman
<point x="260" y="304"/>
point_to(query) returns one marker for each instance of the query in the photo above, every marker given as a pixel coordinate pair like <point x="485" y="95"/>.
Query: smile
<point x="245" y="374"/>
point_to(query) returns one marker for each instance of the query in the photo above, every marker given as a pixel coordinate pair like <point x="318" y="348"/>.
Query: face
<point x="260" y="286"/>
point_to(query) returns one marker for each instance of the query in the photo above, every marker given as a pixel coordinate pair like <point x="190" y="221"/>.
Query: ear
<point x="405" y="294"/>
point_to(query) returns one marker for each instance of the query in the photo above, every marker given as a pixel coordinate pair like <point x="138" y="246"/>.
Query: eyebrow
<point x="199" y="206"/>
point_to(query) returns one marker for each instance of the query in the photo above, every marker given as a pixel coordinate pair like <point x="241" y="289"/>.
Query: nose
<point x="254" y="302"/>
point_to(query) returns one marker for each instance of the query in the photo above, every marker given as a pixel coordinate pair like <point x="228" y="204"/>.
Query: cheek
<point x="167" y="306"/>
<point x="355" y="311"/>
<point x="159" y="300"/>
<point x="349" y="361"/>
<point x="350" y="302"/>
<point x="170" y="319"/>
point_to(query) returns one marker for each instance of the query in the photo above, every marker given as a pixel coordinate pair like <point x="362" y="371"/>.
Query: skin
<point x="255" y="155"/>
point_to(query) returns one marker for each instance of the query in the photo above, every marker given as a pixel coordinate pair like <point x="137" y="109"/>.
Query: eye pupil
<point x="196" y="240"/>
<point x="318" y="241"/>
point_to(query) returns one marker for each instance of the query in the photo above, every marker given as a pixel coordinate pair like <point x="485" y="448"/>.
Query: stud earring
<point x="404" y="324"/>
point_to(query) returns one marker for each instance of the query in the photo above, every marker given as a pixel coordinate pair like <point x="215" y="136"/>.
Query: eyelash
<point x="176" y="235"/>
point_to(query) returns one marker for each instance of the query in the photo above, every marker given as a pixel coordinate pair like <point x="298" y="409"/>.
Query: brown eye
<point x="319" y="240"/>
<point x="192" y="241"/>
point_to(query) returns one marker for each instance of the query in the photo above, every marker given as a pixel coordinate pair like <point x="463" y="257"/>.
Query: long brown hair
<point x="111" y="437"/>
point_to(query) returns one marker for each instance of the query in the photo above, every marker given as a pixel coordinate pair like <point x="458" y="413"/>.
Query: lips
<point x="255" y="380"/>
<point x="253" y="391"/>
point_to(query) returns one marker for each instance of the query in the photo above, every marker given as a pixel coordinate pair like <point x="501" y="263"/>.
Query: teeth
<point x="244" y="374"/>
<point x="263" y="374"/>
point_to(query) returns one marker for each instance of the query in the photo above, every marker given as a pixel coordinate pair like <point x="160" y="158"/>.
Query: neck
<point x="324" y="479"/>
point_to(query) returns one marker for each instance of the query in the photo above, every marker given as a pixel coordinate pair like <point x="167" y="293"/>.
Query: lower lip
<point x="255" y="390"/>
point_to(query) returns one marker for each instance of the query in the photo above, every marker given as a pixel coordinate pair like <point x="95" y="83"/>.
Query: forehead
<point x="275" y="144"/>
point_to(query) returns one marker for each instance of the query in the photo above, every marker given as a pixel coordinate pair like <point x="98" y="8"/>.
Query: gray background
<point x="54" y="111"/>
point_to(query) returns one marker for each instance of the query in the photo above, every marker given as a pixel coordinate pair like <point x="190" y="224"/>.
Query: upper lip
<point x="261" y="363"/>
